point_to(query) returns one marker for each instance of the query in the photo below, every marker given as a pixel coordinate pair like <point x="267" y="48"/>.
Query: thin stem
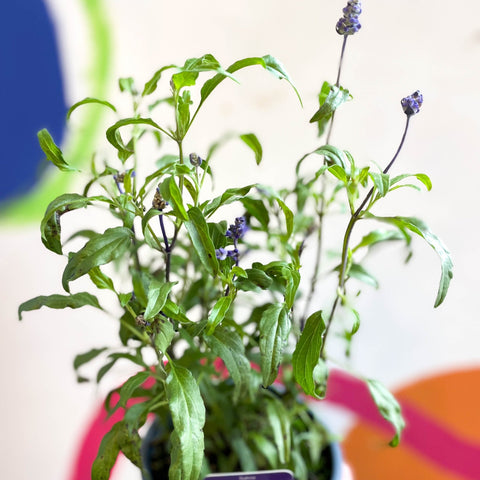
<point x="322" y="210"/>
<point x="342" y="277"/>
<point x="168" y="250"/>
<point x="337" y="84"/>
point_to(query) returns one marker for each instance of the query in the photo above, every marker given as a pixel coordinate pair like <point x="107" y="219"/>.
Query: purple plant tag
<point x="261" y="475"/>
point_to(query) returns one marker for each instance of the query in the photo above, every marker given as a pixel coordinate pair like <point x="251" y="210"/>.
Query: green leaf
<point x="256" y="208"/>
<point x="268" y="62"/>
<point x="381" y="182"/>
<point x="274" y="329"/>
<point x="420" y="228"/>
<point x="151" y="85"/>
<point x="228" y="345"/>
<point x="124" y="298"/>
<point x="336" y="96"/>
<point x="101" y="249"/>
<point x="171" y="193"/>
<point x="164" y="335"/>
<point x="188" y="417"/>
<point x="128" y="388"/>
<point x="53" y="153"/>
<point x="252" y="141"/>
<point x="157" y="296"/>
<point x="113" y="133"/>
<point x="199" y="234"/>
<point x="183" y="113"/>
<point x="255" y="278"/>
<point x="388" y="407"/>
<point x="279" y="419"/>
<point x="119" y="438"/>
<point x="218" y="313"/>
<point x="230" y="195"/>
<point x="378" y="236"/>
<point x="86" y="357"/>
<point x="265" y="447"/>
<point x="127" y="84"/>
<point x="333" y="155"/>
<point x="358" y="271"/>
<point x="339" y="172"/>
<point x="101" y="280"/>
<point x="50" y="227"/>
<point x="56" y="301"/>
<point x="89" y="100"/>
<point x="419" y="176"/>
<point x="307" y="355"/>
<point x="288" y="216"/>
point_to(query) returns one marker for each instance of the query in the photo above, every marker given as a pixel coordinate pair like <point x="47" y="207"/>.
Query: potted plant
<point x="215" y="310"/>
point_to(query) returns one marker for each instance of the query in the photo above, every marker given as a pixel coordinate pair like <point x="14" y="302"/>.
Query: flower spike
<point x="349" y="24"/>
<point x="411" y="104"/>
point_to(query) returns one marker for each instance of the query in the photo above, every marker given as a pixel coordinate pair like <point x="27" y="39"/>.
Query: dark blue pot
<point x="155" y="456"/>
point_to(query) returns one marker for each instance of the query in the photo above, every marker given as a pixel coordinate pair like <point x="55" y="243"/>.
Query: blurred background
<point x="57" y="52"/>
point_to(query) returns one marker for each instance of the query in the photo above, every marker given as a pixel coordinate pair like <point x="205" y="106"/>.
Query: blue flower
<point x="238" y="229"/>
<point x="221" y="253"/>
<point x="411" y="104"/>
<point x="349" y="24"/>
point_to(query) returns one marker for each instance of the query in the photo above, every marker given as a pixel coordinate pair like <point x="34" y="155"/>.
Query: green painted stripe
<point x="80" y="144"/>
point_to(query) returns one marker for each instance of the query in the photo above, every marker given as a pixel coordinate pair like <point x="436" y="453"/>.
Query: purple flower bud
<point x="195" y="160"/>
<point x="411" y="104"/>
<point x="221" y="253"/>
<point x="349" y="24"/>
<point x="237" y="230"/>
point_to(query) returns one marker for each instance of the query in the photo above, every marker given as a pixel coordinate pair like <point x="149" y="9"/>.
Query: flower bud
<point x="349" y="24"/>
<point x="195" y="160"/>
<point x="411" y="104"/>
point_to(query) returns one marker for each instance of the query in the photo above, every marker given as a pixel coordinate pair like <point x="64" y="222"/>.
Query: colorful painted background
<point x="57" y="52"/>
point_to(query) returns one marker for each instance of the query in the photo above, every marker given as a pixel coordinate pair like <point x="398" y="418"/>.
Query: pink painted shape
<point x="422" y="432"/>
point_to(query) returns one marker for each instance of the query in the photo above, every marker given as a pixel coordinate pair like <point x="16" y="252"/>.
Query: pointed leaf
<point x="151" y="85"/>
<point x="164" y="335"/>
<point x="268" y="62"/>
<point x="388" y="407"/>
<point x="157" y="296"/>
<point x="53" y="153"/>
<point x="171" y="193"/>
<point x="307" y="354"/>
<point x="128" y="388"/>
<point x="56" y="301"/>
<point x="218" y="313"/>
<point x="229" y="196"/>
<point x="101" y="249"/>
<point x="336" y="96"/>
<point x="50" y="226"/>
<point x="420" y="228"/>
<point x="188" y="417"/>
<point x="252" y="141"/>
<point x="199" y="234"/>
<point x="89" y="100"/>
<point x="274" y="329"/>
<point x="279" y="420"/>
<point x="228" y="345"/>
<point x="381" y="182"/>
<point x="119" y="438"/>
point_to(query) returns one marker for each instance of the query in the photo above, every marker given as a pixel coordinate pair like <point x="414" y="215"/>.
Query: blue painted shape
<point x="31" y="93"/>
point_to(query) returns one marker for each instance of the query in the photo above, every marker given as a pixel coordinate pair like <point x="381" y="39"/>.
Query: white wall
<point x="433" y="46"/>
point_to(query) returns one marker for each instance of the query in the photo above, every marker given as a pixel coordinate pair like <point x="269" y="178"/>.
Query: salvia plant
<point x="234" y="338"/>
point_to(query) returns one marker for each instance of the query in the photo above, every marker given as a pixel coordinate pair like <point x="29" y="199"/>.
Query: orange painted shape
<point x="450" y="399"/>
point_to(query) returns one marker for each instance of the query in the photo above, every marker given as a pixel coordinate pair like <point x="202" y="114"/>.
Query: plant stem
<point x="337" y="84"/>
<point x="342" y="276"/>
<point x="322" y="210"/>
